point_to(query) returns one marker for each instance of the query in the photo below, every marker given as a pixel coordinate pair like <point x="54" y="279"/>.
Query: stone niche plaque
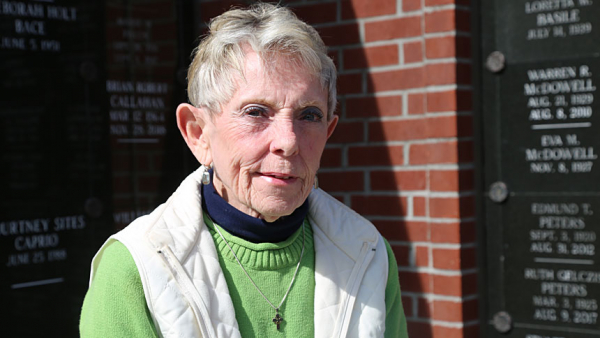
<point x="87" y="143"/>
<point x="541" y="126"/>
<point x="53" y="162"/>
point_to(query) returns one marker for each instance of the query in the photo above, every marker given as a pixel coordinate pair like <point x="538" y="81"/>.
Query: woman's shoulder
<point x="115" y="305"/>
<point x="116" y="263"/>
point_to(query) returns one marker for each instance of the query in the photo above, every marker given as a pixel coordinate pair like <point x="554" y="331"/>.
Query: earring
<point x="316" y="182"/>
<point x="205" y="175"/>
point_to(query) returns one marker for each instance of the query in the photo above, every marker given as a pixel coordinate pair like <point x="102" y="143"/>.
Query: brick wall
<point x="402" y="153"/>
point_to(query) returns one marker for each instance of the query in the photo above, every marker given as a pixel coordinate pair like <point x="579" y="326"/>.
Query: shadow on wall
<point x="385" y="168"/>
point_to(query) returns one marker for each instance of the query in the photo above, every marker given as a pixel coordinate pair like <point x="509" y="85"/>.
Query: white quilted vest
<point x="186" y="291"/>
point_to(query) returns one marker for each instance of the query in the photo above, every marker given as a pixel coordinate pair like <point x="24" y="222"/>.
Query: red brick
<point x="374" y="106"/>
<point x="422" y="256"/>
<point x="332" y="157"/>
<point x="470" y="310"/>
<point x="451" y="100"/>
<point x="403" y="230"/>
<point x="441" y="152"/>
<point x="445" y="232"/>
<point x="422" y="128"/>
<point x="452" y="332"/>
<point x="317" y="12"/>
<point x="451" y="180"/>
<point x="455" y="285"/>
<point x="446" y="2"/>
<point x="352" y="9"/>
<point x="447" y="20"/>
<point x="345" y="34"/>
<point x="335" y="56"/>
<point x="416" y="104"/>
<point x="371" y="57"/>
<point x="451" y="207"/>
<point x="415" y="281"/>
<point x="346" y="132"/>
<point x="407" y="306"/>
<point x="393" y="28"/>
<point x="376" y="155"/>
<point x="453" y="232"/>
<point x="420" y="329"/>
<point x="411" y="5"/>
<point x="448" y="47"/>
<point x="463" y="20"/>
<point x="398" y="180"/>
<point x="447" y="285"/>
<point x="349" y="84"/>
<point x="449" y="126"/>
<point x="398" y="130"/>
<point x="413" y="52"/>
<point x="440" y="21"/>
<point x="419" y="206"/>
<point x="379" y="205"/>
<point x="424" y="308"/>
<point x="396" y="80"/>
<point x="402" y="254"/>
<point x="342" y="181"/>
<point x="454" y="259"/>
<point x="447" y="73"/>
<point x="449" y="311"/>
<point x="339" y="197"/>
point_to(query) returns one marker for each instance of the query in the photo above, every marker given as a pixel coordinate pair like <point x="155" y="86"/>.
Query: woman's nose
<point x="284" y="139"/>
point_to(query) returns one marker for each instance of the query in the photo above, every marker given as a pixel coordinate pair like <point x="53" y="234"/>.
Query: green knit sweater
<point x="115" y="305"/>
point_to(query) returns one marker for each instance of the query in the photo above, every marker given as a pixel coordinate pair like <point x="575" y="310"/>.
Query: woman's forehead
<point x="279" y="77"/>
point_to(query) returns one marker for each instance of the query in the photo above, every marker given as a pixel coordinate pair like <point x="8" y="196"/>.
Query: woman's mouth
<point x="278" y="178"/>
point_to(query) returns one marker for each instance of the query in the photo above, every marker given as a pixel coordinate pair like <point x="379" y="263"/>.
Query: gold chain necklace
<point x="278" y="319"/>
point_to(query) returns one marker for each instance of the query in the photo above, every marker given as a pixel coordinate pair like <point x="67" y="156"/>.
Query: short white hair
<point x="271" y="31"/>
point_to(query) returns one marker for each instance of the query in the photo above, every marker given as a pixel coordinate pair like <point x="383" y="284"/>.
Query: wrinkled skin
<point x="266" y="143"/>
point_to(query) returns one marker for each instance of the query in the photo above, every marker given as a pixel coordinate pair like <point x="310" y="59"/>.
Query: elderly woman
<point x="248" y="246"/>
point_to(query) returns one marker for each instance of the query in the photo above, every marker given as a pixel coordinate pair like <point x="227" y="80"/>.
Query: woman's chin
<point x="271" y="212"/>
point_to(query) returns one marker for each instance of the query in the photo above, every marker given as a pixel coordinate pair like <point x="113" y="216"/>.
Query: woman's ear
<point x="331" y="125"/>
<point x="192" y="123"/>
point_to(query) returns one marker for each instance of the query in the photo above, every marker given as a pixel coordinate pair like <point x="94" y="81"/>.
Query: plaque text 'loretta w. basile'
<point x="540" y="140"/>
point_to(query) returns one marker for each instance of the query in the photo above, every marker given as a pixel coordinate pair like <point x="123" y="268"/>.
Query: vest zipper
<point x="189" y="291"/>
<point x="366" y="255"/>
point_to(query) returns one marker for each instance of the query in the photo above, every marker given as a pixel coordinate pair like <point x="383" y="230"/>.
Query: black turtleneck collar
<point x="247" y="227"/>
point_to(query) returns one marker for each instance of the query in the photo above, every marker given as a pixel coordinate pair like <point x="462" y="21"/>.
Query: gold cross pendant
<point x="277" y="320"/>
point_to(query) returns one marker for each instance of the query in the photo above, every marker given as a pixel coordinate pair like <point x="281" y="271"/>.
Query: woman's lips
<point x="278" y="178"/>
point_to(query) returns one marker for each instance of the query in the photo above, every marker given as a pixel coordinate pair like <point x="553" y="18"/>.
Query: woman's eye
<point x="254" y="111"/>
<point x="312" y="114"/>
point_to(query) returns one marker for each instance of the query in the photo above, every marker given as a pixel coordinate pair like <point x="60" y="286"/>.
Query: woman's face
<point x="267" y="142"/>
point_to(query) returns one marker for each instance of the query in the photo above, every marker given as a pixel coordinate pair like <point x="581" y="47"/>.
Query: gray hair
<point x="271" y="31"/>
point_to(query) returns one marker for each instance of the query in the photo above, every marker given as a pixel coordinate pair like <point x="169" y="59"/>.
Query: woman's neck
<point x="247" y="227"/>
